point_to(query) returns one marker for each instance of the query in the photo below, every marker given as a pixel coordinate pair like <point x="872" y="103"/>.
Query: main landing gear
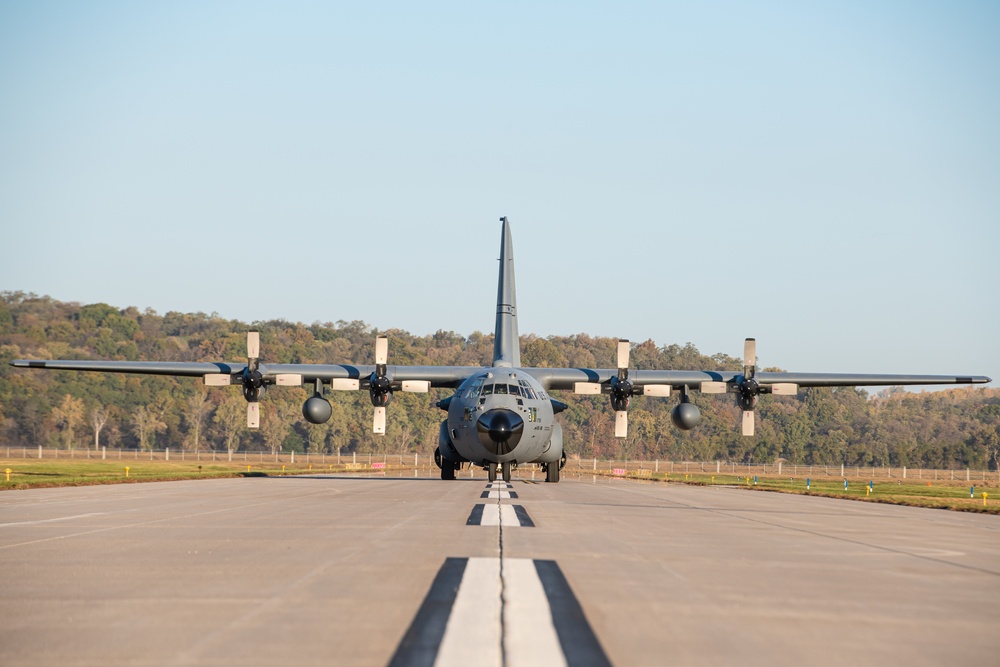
<point x="491" y="471"/>
<point x="552" y="471"/>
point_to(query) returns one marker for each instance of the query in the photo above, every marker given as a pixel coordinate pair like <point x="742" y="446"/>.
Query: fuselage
<point x="503" y="415"/>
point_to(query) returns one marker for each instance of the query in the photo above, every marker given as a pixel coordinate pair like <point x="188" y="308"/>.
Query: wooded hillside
<point x="953" y="428"/>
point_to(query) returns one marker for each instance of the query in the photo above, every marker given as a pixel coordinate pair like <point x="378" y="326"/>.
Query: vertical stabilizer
<point x="506" y="344"/>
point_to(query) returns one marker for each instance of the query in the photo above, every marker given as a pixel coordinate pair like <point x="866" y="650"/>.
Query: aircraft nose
<point x="499" y="430"/>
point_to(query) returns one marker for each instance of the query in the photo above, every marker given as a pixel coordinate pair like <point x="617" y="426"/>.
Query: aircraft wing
<point x="567" y="378"/>
<point x="438" y="376"/>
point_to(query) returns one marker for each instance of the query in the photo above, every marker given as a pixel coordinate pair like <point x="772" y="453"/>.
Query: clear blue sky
<point x="823" y="176"/>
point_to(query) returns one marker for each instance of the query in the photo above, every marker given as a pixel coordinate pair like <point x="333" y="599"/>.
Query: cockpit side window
<point x="487" y="389"/>
<point x="473" y="391"/>
<point x="526" y="389"/>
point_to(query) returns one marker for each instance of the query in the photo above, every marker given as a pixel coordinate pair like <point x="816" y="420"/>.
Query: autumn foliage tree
<point x="952" y="428"/>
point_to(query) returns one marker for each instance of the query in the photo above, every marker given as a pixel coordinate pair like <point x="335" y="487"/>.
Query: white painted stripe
<point x="472" y="636"/>
<point x="499" y="494"/>
<point x="531" y="637"/>
<point x="491" y="515"/>
<point x="494" y="515"/>
<point x="41" y="521"/>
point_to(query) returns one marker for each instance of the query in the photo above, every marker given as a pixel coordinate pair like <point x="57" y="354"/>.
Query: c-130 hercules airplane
<point x="500" y="416"/>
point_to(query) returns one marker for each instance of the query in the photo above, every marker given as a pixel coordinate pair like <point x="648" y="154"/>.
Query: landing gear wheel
<point x="447" y="470"/>
<point x="506" y="471"/>
<point x="491" y="471"/>
<point x="552" y="471"/>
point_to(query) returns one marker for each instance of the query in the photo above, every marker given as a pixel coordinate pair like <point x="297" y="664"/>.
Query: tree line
<point x="952" y="428"/>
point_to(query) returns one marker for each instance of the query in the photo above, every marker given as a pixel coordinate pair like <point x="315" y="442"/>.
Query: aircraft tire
<point x="552" y="472"/>
<point x="448" y="470"/>
<point x="491" y="471"/>
<point x="506" y="470"/>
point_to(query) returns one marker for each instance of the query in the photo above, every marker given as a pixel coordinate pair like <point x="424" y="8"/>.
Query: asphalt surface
<point x="371" y="571"/>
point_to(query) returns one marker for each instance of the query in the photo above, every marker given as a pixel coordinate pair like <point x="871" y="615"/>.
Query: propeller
<point x="747" y="387"/>
<point x="379" y="385"/>
<point x="253" y="381"/>
<point x="621" y="390"/>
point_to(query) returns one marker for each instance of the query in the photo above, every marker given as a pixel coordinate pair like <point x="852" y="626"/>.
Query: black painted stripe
<point x="522" y="517"/>
<point x="422" y="640"/>
<point x="476" y="517"/>
<point x="486" y="494"/>
<point x="578" y="641"/>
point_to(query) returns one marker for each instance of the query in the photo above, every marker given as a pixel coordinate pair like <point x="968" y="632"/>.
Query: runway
<point x="328" y="570"/>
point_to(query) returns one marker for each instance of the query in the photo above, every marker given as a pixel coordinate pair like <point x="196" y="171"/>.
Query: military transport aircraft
<point x="501" y="415"/>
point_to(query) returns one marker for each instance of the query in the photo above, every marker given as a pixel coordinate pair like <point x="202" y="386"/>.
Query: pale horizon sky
<point x="823" y="177"/>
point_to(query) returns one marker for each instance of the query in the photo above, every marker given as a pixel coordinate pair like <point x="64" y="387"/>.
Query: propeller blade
<point x="253" y="415"/>
<point x="417" y="386"/>
<point x="621" y="424"/>
<point x="750" y="352"/>
<point x="288" y="380"/>
<point x="714" y="387"/>
<point x="656" y="390"/>
<point x="586" y="387"/>
<point x="381" y="350"/>
<point x="217" y="380"/>
<point x="253" y="344"/>
<point x="345" y="384"/>
<point x="623" y="354"/>
<point x="784" y="389"/>
<point x="378" y="425"/>
<point x="748" y="422"/>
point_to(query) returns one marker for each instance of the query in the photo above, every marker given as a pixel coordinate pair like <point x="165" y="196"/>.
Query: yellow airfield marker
<point x="126" y="471"/>
<point x="984" y="498"/>
<point x="8" y="471"/>
<point x="248" y="468"/>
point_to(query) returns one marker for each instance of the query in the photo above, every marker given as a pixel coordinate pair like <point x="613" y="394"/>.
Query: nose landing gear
<point x="505" y="469"/>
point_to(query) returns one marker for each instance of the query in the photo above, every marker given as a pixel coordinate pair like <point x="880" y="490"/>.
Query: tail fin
<point x="506" y="344"/>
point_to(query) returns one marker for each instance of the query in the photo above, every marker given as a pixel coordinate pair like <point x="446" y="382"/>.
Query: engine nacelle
<point x="686" y="416"/>
<point x="317" y="410"/>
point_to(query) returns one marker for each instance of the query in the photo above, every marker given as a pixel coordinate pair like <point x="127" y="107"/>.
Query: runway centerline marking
<point x="466" y="619"/>
<point x="510" y="516"/>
